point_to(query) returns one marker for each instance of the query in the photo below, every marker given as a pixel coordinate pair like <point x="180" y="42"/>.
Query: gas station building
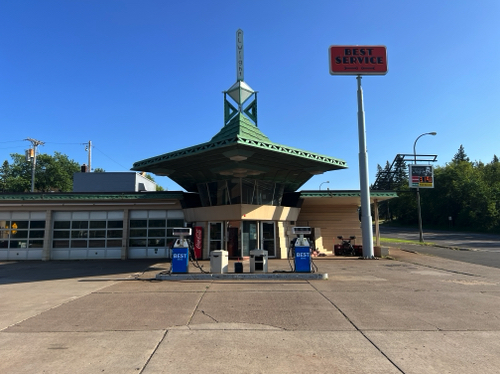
<point x="241" y="192"/>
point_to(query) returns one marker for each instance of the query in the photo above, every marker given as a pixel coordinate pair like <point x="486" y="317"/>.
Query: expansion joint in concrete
<point x="154" y="352"/>
<point x="196" y="307"/>
<point x="358" y="330"/>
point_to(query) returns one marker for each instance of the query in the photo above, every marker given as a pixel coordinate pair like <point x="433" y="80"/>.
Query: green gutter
<point x="178" y="195"/>
<point x="328" y="193"/>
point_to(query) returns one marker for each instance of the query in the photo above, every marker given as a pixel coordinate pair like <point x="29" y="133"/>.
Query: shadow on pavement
<point x="34" y="271"/>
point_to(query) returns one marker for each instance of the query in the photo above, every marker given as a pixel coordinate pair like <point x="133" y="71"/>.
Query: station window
<point x="153" y="228"/>
<point x="99" y="229"/>
<point x="241" y="191"/>
<point x="22" y="229"/>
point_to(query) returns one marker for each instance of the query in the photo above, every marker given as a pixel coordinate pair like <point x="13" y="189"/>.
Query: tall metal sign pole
<point x="361" y="60"/>
<point x="366" y="215"/>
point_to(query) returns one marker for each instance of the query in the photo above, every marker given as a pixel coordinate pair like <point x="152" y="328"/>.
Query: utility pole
<point x="88" y="148"/>
<point x="35" y="144"/>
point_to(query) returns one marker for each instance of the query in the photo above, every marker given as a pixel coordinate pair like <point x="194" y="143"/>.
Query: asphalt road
<point x="480" y="249"/>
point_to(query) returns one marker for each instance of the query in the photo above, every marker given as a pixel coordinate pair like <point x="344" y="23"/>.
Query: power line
<point x="22" y="140"/>
<point x="19" y="146"/>
<point x="12" y="141"/>
<point x="64" y="143"/>
<point x="124" y="167"/>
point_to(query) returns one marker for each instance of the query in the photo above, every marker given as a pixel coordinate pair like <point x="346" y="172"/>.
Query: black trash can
<point x="238" y="267"/>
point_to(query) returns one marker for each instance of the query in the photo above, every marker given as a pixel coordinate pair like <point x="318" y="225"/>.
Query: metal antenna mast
<point x="35" y="144"/>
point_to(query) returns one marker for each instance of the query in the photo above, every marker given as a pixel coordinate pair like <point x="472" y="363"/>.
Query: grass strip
<point x="394" y="240"/>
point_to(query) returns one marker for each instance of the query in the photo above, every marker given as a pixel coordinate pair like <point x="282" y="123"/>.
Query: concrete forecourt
<point x="413" y="314"/>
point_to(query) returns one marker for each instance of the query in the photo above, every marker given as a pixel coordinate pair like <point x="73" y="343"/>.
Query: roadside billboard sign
<point x="358" y="60"/>
<point x="421" y="176"/>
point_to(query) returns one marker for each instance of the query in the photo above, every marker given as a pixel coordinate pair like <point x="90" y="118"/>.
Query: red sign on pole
<point x="358" y="60"/>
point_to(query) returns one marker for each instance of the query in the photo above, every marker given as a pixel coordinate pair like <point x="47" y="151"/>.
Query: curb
<point x="253" y="276"/>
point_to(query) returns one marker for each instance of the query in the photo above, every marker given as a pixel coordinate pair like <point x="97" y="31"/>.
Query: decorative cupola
<point x="244" y="98"/>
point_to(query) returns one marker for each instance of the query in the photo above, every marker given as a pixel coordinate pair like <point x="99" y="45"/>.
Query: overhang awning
<point x="346" y="197"/>
<point x="239" y="150"/>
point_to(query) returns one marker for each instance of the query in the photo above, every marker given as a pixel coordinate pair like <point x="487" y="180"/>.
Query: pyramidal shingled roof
<point x="240" y="130"/>
<point x="241" y="127"/>
<point x="239" y="145"/>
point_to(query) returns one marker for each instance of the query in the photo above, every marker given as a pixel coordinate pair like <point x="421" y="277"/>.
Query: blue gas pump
<point x="302" y="250"/>
<point x="180" y="251"/>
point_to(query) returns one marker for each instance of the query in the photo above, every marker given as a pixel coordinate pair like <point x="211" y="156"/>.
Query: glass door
<point x="268" y="238"/>
<point x="249" y="237"/>
<point x="216" y="236"/>
<point x="233" y="241"/>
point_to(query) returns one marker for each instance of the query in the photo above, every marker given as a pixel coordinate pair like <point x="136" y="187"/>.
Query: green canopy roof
<point x="239" y="149"/>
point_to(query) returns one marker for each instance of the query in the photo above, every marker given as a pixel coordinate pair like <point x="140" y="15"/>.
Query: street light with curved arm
<point x="415" y="143"/>
<point x="323" y="183"/>
<point x="419" y="209"/>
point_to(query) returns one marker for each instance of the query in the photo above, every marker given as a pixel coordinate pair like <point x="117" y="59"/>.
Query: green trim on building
<point x="327" y="193"/>
<point x="178" y="195"/>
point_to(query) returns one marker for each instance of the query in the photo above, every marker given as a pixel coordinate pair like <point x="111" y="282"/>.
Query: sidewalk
<point x="415" y="314"/>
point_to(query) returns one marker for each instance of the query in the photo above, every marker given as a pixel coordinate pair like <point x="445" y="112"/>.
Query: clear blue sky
<point x="142" y="78"/>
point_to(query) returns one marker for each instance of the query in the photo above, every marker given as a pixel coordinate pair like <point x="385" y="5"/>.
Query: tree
<point x="150" y="177"/>
<point x="378" y="178"/>
<point x="468" y="192"/>
<point x="460" y="155"/>
<point x="383" y="178"/>
<point x="18" y="174"/>
<point x="400" y="173"/>
<point x="99" y="170"/>
<point x="393" y="177"/>
<point x="53" y="173"/>
<point x="4" y="175"/>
